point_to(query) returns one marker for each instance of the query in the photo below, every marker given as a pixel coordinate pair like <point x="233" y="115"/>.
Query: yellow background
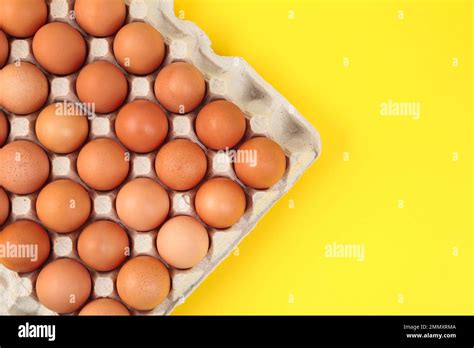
<point x="400" y="186"/>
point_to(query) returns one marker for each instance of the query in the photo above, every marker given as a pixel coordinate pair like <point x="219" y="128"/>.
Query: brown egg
<point x="59" y="48"/>
<point x="142" y="204"/>
<point x="4" y="206"/>
<point x="143" y="283"/>
<point x="103" y="245"/>
<point x="102" y="84"/>
<point x="220" y="202"/>
<point x="63" y="206"/>
<point x="23" y="88"/>
<point x="104" y="306"/>
<point x="22" y="18"/>
<point x="100" y="18"/>
<point x="4" y="48"/>
<point x="27" y="246"/>
<point x="24" y="167"/>
<point x="182" y="242"/>
<point x="4" y="128"/>
<point x="141" y="126"/>
<point x="261" y="163"/>
<point x="139" y="48"/>
<point x="63" y="285"/>
<point x="220" y="125"/>
<point x="181" y="164"/>
<point x="180" y="87"/>
<point x="62" y="127"/>
<point x="103" y="164"/>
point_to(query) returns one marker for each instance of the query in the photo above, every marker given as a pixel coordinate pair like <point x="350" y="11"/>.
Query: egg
<point x="141" y="126"/>
<point x="63" y="206"/>
<point x="260" y="163"/>
<point x="220" y="125"/>
<point x="143" y="283"/>
<point x="4" y="206"/>
<point x="4" y="49"/>
<point x="139" y="48"/>
<point x="182" y="242"/>
<point x="142" y="204"/>
<point x="180" y="87"/>
<point x="104" y="306"/>
<point x="24" y="167"/>
<point x="102" y="85"/>
<point x="25" y="246"/>
<point x="3" y="128"/>
<point x="22" y="18"/>
<point x="100" y="18"/>
<point x="59" y="48"/>
<point x="23" y="88"/>
<point x="62" y="128"/>
<point x="103" y="245"/>
<point x="63" y="285"/>
<point x="181" y="164"/>
<point x="220" y="202"/>
<point x="103" y="164"/>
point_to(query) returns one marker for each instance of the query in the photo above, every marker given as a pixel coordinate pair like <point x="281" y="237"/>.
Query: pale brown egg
<point x="182" y="242"/>
<point x="4" y="128"/>
<point x="63" y="206"/>
<point x="24" y="167"/>
<point x="220" y="202"/>
<point x="104" y="306"/>
<point x="27" y="245"/>
<point x="139" y="48"/>
<point x="261" y="163"/>
<point x="4" y="206"/>
<point x="59" y="48"/>
<point x="180" y="87"/>
<point x="103" y="164"/>
<point x="100" y="17"/>
<point x="103" y="245"/>
<point x="142" y="204"/>
<point x="62" y="127"/>
<point x="22" y="18"/>
<point x="220" y="125"/>
<point x="102" y="85"/>
<point x="4" y="48"/>
<point x="63" y="285"/>
<point x="141" y="126"/>
<point x="143" y="283"/>
<point x="181" y="164"/>
<point x="23" y="88"/>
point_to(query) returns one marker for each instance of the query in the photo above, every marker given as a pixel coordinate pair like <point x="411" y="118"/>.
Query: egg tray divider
<point x="268" y="113"/>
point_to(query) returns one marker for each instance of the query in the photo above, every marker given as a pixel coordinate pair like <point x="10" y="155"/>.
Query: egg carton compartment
<point x="267" y="112"/>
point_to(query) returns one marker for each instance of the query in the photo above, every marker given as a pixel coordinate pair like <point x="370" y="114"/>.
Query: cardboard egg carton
<point x="267" y="112"/>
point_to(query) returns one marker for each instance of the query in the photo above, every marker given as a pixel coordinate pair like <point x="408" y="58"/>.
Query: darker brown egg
<point x="4" y="49"/>
<point x="22" y="18"/>
<point x="141" y="126"/>
<point x="180" y="87"/>
<point x="59" y="48"/>
<point x="23" y="88"/>
<point x="24" y="167"/>
<point x="181" y="164"/>
<point x="103" y="86"/>
<point x="100" y="17"/>
<point x="139" y="48"/>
